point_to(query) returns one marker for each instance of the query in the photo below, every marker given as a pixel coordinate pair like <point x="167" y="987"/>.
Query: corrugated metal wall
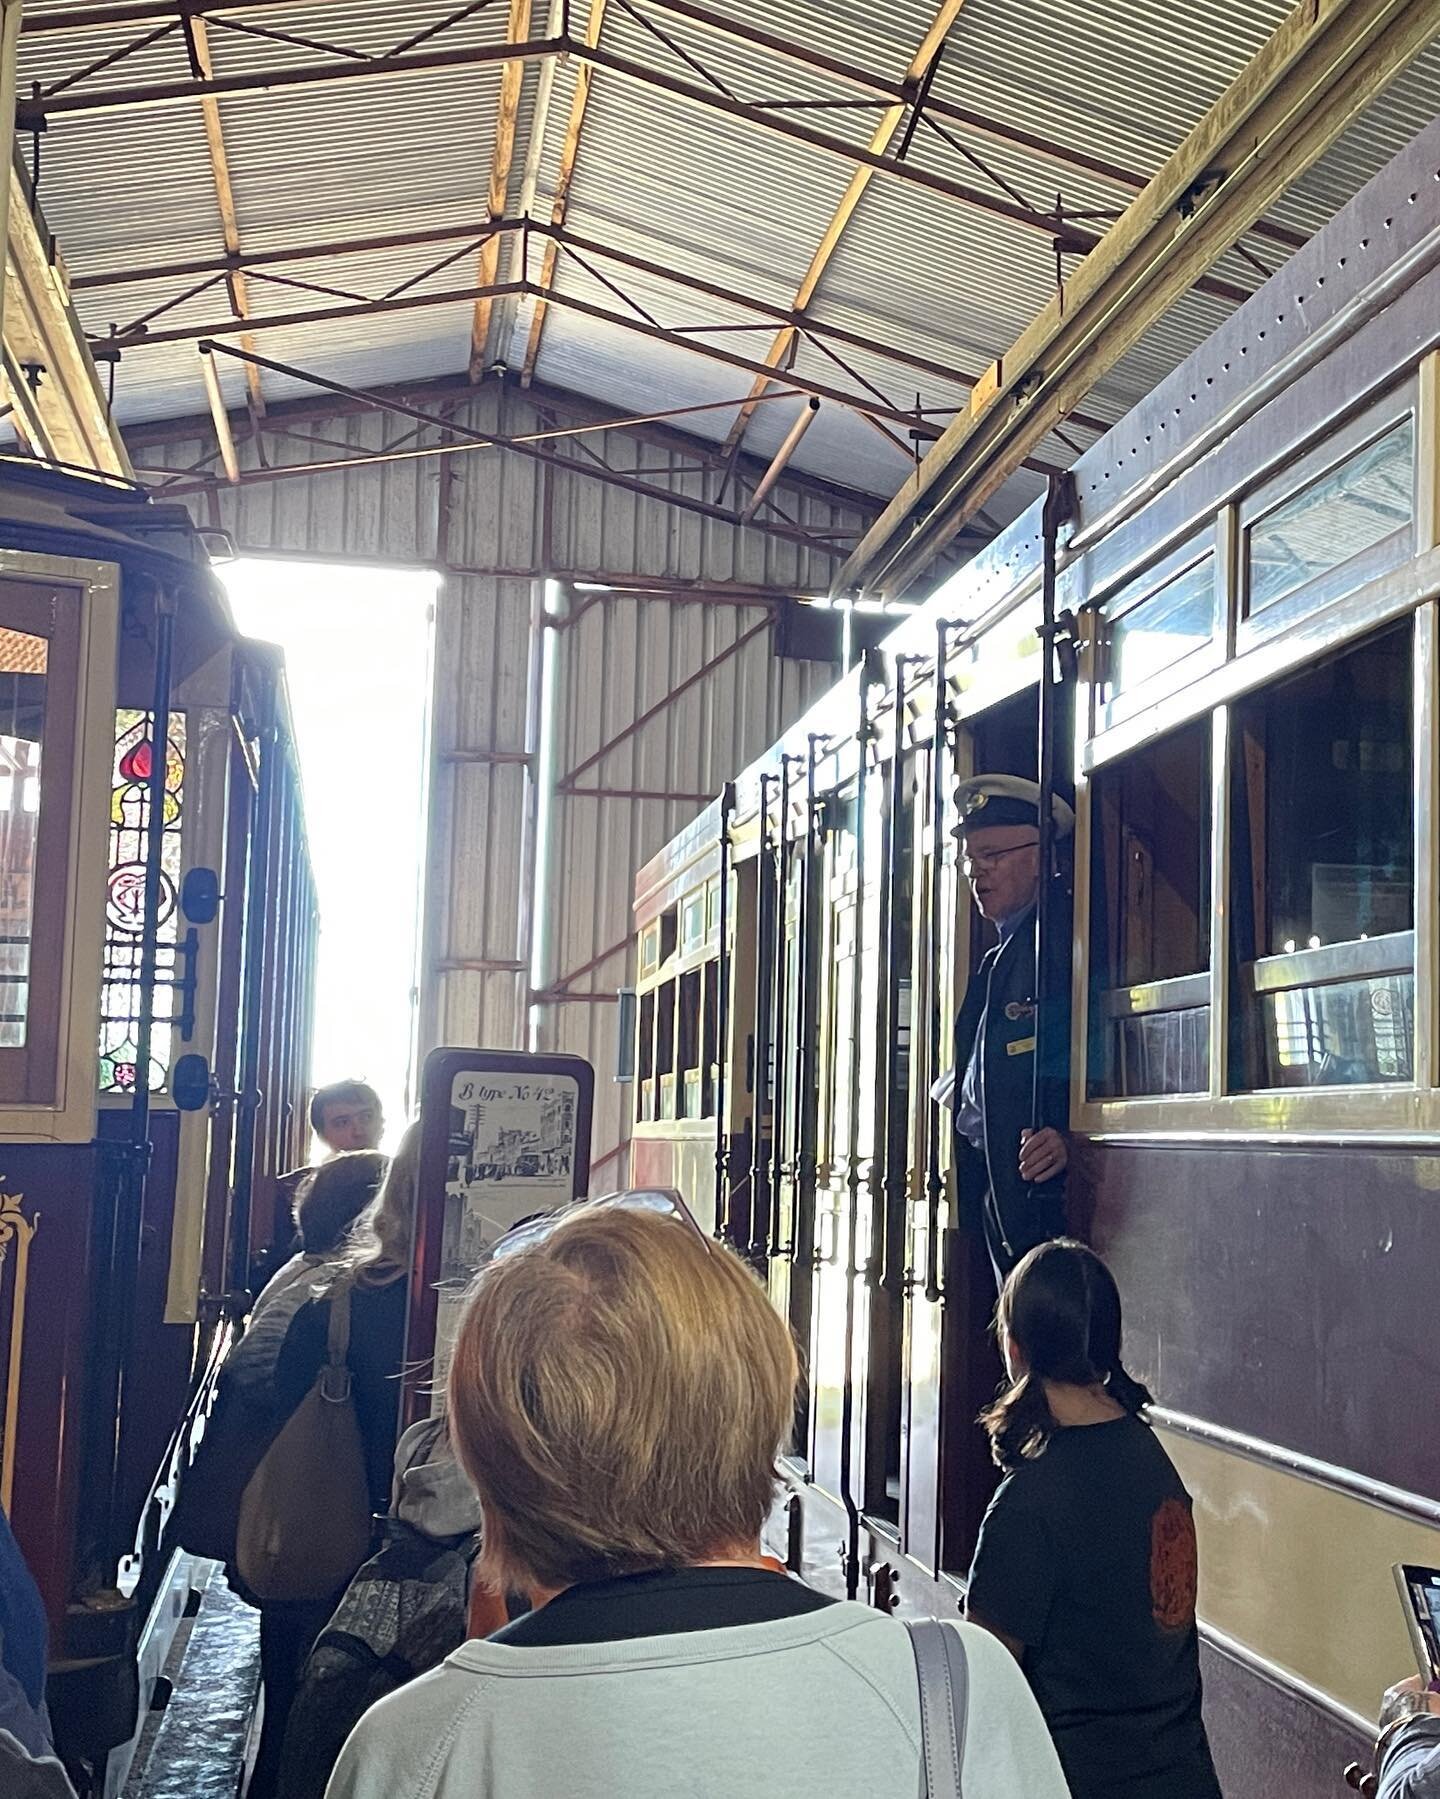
<point x="495" y="523"/>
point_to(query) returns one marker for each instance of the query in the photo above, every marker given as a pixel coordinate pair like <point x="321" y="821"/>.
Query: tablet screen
<point x="1421" y="1587"/>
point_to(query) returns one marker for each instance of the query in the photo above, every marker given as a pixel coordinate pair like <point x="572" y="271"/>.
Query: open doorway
<point x="357" y="643"/>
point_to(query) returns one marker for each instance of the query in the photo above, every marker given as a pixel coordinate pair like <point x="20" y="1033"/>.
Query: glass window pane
<point x="1145" y="638"/>
<point x="130" y="828"/>
<point x="1150" y="918"/>
<point x="1351" y="1033"/>
<point x="1367" y="498"/>
<point x="24" y="661"/>
<point x="1322" y="854"/>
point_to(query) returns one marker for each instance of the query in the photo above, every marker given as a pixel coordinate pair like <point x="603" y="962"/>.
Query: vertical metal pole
<point x="762" y="1097"/>
<point x="256" y="908"/>
<point x="122" y="1274"/>
<point x="887" y="1181"/>
<point x="802" y="1225"/>
<point x="722" y="1023"/>
<point x="863" y="738"/>
<point x="934" y="1185"/>
<point x="1059" y="501"/>
<point x="780" y="1111"/>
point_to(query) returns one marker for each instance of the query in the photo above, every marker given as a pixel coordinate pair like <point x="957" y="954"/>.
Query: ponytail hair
<point x="1061" y="1307"/>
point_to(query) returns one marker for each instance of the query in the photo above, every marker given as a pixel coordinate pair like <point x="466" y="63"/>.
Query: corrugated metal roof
<point x="688" y="190"/>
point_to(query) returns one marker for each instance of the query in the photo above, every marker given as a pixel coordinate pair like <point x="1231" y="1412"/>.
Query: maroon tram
<point x="1244" y="676"/>
<point x="157" y="927"/>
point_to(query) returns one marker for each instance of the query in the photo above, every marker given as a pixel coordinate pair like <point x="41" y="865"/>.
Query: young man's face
<point x="1002" y="865"/>
<point x="351" y="1124"/>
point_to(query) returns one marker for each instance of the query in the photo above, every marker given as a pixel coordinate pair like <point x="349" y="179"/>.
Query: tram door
<point x="1002" y="740"/>
<point x="846" y="1077"/>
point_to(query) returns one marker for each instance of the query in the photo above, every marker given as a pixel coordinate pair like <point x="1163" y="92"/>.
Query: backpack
<point x="305" y="1523"/>
<point x="402" y="1614"/>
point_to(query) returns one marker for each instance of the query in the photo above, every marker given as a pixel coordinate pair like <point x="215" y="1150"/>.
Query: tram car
<point x="1228" y="629"/>
<point x="156" y="949"/>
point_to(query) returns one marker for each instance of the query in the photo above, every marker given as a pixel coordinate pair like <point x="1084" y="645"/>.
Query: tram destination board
<point x="503" y="1135"/>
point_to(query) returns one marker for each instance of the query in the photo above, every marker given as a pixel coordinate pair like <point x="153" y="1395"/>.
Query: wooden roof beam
<point x="517" y="30"/>
<point x="1317" y="70"/>
<point x="34" y="113"/>
<point x="930" y="48"/>
<point x="198" y="37"/>
<point x="569" y="151"/>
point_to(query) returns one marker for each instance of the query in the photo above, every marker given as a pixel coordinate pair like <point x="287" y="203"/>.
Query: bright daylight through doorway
<point x="357" y="655"/>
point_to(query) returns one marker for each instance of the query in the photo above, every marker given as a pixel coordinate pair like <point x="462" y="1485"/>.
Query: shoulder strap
<point x="944" y="1678"/>
<point x="337" y="1338"/>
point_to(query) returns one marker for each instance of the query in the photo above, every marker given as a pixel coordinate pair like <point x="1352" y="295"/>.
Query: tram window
<point x="1149" y="628"/>
<point x="1150" y="919"/>
<point x="645" y="1060"/>
<point x="689" y="1062"/>
<point x="709" y="1028"/>
<point x="23" y="670"/>
<point x="665" y="1048"/>
<point x="1365" y="501"/>
<point x="1323" y="875"/>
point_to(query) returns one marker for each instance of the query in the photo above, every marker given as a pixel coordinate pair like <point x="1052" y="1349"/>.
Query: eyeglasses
<point x="982" y="861"/>
<point x="664" y="1200"/>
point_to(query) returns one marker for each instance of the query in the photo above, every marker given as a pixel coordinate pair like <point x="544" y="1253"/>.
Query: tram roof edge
<point x="1385" y="238"/>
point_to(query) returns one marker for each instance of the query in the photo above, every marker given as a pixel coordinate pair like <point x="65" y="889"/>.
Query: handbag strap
<point x="333" y="1381"/>
<point x="944" y="1677"/>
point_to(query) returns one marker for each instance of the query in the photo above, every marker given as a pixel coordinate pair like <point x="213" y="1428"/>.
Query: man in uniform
<point x="1009" y="1173"/>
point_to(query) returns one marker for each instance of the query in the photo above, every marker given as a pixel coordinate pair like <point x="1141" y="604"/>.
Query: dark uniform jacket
<point x="999" y="1012"/>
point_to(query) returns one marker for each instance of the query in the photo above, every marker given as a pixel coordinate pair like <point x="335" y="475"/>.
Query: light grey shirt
<point x="820" y="1706"/>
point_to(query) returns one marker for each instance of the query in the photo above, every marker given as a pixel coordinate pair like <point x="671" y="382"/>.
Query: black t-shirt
<point x="658" y="1604"/>
<point x="1087" y="1557"/>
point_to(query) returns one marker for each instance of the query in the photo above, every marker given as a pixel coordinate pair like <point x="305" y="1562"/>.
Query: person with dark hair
<point x="370" y="1278"/>
<point x="1086" y="1565"/>
<point x="246" y="1414"/>
<point x="347" y="1115"/>
<point x="327" y="1209"/>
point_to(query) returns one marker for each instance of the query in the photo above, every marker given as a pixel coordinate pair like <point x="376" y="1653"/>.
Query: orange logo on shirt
<point x="1173" y="1566"/>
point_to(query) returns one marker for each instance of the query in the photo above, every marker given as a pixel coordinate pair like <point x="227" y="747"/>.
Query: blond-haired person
<point x="619" y="1389"/>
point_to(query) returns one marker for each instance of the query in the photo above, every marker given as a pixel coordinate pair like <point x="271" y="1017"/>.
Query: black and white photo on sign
<point x="510" y="1154"/>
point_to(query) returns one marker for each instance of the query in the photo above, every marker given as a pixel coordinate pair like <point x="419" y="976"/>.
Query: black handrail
<point x="256" y="977"/>
<point x="934" y="1184"/>
<point x="722" y="1021"/>
<point x="781" y="1110"/>
<point x="863" y="738"/>
<point x="762" y="1097"/>
<point x="116" y="1337"/>
<point x="802" y="1227"/>
<point x="1059" y="509"/>
<point x="892" y="1191"/>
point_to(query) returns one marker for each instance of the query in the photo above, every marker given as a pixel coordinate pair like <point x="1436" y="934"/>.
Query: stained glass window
<point x="130" y="826"/>
<point x="23" y="665"/>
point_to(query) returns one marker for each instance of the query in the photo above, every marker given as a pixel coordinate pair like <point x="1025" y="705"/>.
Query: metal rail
<point x="722" y="1022"/>
<point x="934" y="1185"/>
<point x="763" y="1099"/>
<point x="863" y="737"/>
